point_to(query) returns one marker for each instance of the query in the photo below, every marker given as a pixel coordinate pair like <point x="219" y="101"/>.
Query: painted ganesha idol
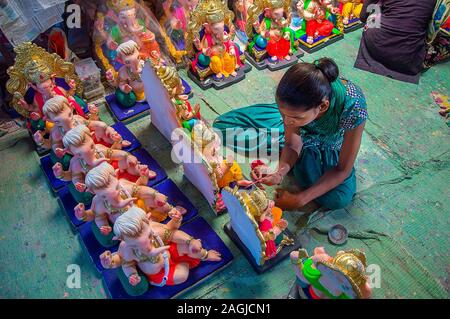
<point x="216" y="59"/>
<point x="271" y="40"/>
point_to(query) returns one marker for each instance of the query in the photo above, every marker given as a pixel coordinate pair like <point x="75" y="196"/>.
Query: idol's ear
<point x="206" y="25"/>
<point x="117" y="171"/>
<point x="267" y="12"/>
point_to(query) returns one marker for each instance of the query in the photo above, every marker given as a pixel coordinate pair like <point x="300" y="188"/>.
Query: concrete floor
<point x="403" y="174"/>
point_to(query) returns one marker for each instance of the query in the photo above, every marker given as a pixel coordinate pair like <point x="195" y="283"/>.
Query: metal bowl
<point x="338" y="235"/>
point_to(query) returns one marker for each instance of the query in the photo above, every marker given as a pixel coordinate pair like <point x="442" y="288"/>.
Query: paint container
<point x="338" y="235"/>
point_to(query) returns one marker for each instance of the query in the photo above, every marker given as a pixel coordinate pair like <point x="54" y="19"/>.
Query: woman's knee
<point x="336" y="199"/>
<point x="341" y="196"/>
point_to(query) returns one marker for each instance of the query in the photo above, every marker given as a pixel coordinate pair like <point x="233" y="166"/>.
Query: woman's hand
<point x="272" y="179"/>
<point x="289" y="201"/>
<point x="282" y="224"/>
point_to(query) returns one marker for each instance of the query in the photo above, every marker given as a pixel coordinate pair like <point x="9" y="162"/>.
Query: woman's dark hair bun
<point x="306" y="85"/>
<point x="329" y="68"/>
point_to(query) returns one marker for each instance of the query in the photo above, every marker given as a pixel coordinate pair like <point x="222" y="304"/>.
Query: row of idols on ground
<point x="110" y="184"/>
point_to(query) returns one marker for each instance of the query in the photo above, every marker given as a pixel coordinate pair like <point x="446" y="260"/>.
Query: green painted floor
<point x="403" y="173"/>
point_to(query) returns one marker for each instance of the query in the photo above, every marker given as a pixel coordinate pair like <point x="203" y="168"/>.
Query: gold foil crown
<point x="353" y="264"/>
<point x="169" y="77"/>
<point x="120" y="5"/>
<point x="256" y="201"/>
<point x="214" y="14"/>
<point x="203" y="135"/>
<point x="275" y="4"/>
<point x="36" y="72"/>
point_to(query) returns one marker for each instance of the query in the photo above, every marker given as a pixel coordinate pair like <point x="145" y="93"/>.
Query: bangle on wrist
<point x="204" y="255"/>
<point x="188" y="242"/>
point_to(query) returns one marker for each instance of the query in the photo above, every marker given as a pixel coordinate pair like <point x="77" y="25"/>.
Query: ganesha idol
<point x="188" y="116"/>
<point x="85" y="155"/>
<point x="322" y="24"/>
<point x="322" y="276"/>
<point x="175" y="21"/>
<point x="257" y="227"/>
<point x="271" y="38"/>
<point x="114" y="195"/>
<point x="351" y="11"/>
<point x="215" y="57"/>
<point x="224" y="173"/>
<point x="36" y="77"/>
<point x="153" y="253"/>
<point x="240" y="9"/>
<point x="128" y="83"/>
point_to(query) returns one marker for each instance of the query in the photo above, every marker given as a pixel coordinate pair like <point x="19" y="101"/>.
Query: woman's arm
<point x="336" y="176"/>
<point x="289" y="156"/>
<point x="291" y="151"/>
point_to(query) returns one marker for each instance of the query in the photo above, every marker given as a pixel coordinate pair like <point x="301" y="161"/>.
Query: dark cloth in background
<point x="397" y="49"/>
